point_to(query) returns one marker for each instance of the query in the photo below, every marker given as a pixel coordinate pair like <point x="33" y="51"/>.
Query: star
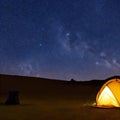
<point x="40" y="44"/>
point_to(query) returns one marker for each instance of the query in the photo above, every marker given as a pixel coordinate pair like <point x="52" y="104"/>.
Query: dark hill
<point x="43" y="87"/>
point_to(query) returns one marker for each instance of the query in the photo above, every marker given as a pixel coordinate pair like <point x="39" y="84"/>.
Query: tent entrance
<point x="107" y="98"/>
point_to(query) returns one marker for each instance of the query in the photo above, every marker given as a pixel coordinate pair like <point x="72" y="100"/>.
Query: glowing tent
<point x="109" y="94"/>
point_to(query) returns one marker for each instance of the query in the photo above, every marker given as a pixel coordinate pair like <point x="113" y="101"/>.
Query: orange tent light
<point x="109" y="94"/>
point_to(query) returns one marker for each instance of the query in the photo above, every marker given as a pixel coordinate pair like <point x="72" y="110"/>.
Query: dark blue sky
<point x="60" y="39"/>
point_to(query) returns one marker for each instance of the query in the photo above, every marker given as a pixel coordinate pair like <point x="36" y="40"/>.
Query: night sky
<point x="60" y="39"/>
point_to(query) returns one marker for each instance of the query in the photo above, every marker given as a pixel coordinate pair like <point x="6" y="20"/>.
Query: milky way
<point x="60" y="39"/>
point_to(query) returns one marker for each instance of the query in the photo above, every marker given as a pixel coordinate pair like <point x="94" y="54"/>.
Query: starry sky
<point x="60" y="39"/>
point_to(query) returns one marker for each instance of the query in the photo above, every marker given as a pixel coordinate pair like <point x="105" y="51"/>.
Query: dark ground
<point x="44" y="99"/>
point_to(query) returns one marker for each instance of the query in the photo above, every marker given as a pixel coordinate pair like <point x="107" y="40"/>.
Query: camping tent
<point x="109" y="94"/>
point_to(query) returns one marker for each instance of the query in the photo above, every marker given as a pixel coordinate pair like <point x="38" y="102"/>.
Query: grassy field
<point x="53" y="100"/>
<point x="34" y="109"/>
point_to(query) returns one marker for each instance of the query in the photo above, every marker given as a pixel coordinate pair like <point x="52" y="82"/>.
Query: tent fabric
<point x="109" y="94"/>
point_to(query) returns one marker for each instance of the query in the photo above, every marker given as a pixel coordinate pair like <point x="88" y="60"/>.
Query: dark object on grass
<point x="13" y="98"/>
